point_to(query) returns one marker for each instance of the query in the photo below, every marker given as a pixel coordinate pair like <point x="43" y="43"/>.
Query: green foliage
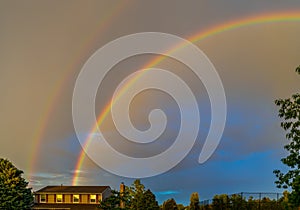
<point x="149" y="201"/>
<point x="113" y="202"/>
<point x="289" y="111"/>
<point x="136" y="191"/>
<point x="294" y="197"/>
<point x="194" y="201"/>
<point x="284" y="201"/>
<point x="221" y="202"/>
<point x="170" y="204"/>
<point x="180" y="207"/>
<point x="142" y="199"/>
<point x="238" y="202"/>
<point x="135" y="197"/>
<point x="14" y="193"/>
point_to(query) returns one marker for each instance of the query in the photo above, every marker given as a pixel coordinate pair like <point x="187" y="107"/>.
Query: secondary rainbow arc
<point x="56" y="92"/>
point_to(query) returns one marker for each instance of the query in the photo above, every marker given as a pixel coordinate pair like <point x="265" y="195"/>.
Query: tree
<point x="294" y="197"/>
<point x="142" y="199"/>
<point x="194" y="201"/>
<point x="220" y="202"/>
<point x="180" y="207"/>
<point x="136" y="191"/>
<point x="284" y="201"/>
<point x="289" y="111"/>
<point x="170" y="204"/>
<point x="238" y="202"/>
<point x="14" y="191"/>
<point x="114" y="200"/>
<point x="149" y="201"/>
<point x="133" y="197"/>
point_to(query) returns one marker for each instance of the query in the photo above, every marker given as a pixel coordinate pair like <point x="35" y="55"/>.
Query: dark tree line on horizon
<point x="137" y="198"/>
<point x="240" y="202"/>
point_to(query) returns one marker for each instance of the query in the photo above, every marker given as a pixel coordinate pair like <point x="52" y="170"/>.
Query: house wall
<point x="84" y="199"/>
<point x="68" y="198"/>
<point x="99" y="197"/>
<point x="51" y="198"/>
<point x="36" y="198"/>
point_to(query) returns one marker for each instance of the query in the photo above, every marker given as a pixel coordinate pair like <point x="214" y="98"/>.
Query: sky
<point x="44" y="45"/>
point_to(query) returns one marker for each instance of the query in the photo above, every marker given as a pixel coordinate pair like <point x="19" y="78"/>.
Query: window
<point x="75" y="198"/>
<point x="59" y="198"/>
<point x="43" y="198"/>
<point x="92" y="198"/>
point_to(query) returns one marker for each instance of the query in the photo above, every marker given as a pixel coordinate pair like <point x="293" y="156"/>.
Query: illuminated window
<point x="93" y="198"/>
<point x="43" y="198"/>
<point x="75" y="198"/>
<point x="58" y="198"/>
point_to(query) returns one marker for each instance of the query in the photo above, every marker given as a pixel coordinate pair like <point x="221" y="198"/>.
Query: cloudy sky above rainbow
<point x="253" y="45"/>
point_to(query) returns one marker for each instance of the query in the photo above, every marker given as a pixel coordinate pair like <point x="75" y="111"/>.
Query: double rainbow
<point x="274" y="17"/>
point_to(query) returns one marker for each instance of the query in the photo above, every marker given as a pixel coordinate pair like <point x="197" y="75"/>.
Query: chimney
<point x="122" y="191"/>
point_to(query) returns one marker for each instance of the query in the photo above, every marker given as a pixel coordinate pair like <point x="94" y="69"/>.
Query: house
<point x="70" y="197"/>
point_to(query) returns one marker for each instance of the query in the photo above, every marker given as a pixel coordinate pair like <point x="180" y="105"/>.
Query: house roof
<point x="73" y="189"/>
